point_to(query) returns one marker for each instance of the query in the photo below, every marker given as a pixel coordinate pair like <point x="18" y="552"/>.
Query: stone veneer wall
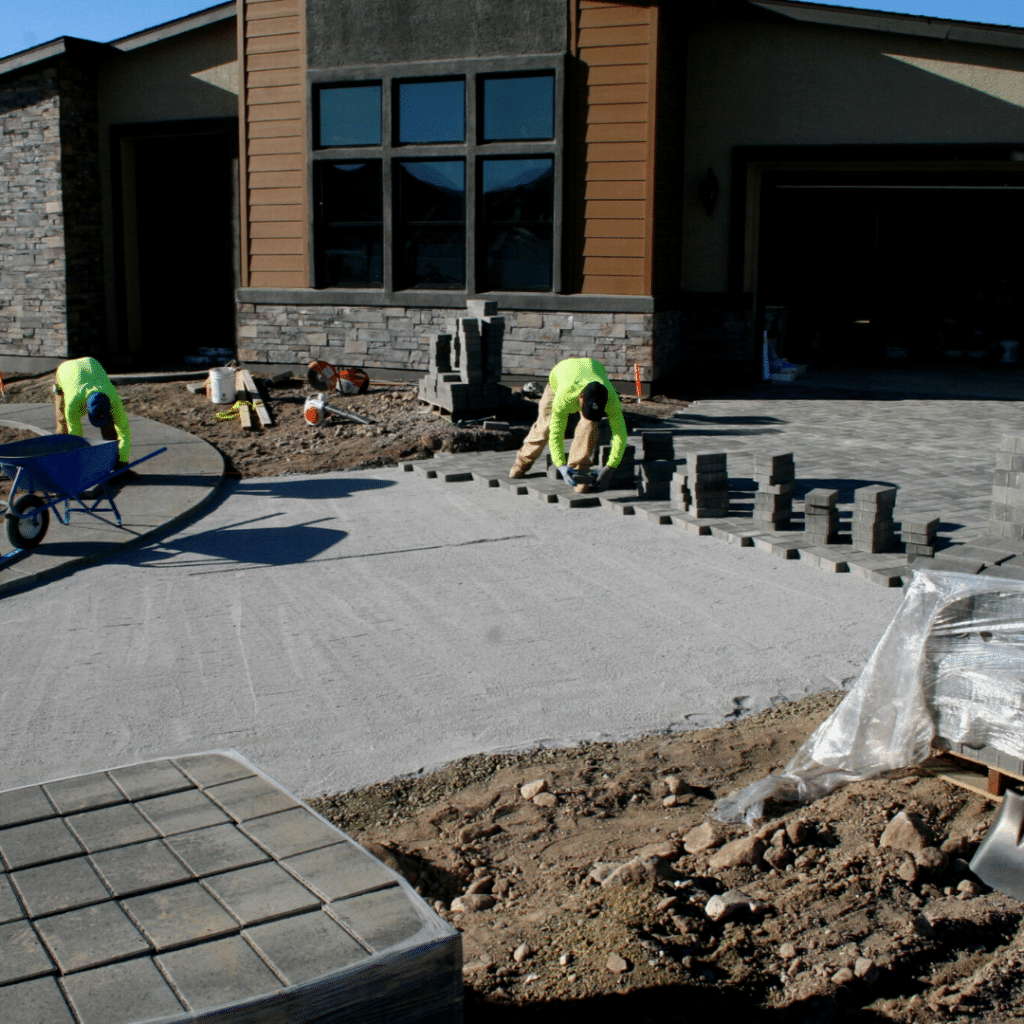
<point x="33" y="319"/>
<point x="83" y="238"/>
<point x="398" y="337"/>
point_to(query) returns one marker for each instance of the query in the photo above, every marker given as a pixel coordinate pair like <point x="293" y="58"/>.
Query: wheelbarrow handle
<point x="132" y="465"/>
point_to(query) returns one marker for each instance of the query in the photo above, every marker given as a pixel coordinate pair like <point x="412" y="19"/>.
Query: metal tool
<point x="999" y="860"/>
<point x="316" y="410"/>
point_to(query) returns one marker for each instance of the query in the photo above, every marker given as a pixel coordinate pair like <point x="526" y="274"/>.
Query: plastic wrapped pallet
<point x="950" y="665"/>
<point x="195" y="888"/>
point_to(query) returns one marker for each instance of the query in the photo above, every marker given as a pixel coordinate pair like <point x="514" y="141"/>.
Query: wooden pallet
<point x="968" y="773"/>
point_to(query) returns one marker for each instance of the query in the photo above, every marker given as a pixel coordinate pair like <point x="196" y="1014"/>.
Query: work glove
<point x="604" y="478"/>
<point x="567" y="475"/>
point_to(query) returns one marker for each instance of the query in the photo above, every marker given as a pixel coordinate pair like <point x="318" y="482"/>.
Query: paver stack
<point x="775" y="476"/>
<point x="1007" y="519"/>
<point x="821" y="516"/>
<point x="702" y="486"/>
<point x="873" y="527"/>
<point x="658" y="466"/>
<point x="918" y="536"/>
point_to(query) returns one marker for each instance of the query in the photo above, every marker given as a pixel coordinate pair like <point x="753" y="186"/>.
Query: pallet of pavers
<point x="197" y="889"/>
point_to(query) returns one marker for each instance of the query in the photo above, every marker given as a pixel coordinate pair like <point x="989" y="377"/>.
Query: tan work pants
<point x="108" y="431"/>
<point x="584" y="440"/>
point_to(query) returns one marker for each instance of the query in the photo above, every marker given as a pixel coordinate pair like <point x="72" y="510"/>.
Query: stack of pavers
<point x="775" y="476"/>
<point x="918" y="536"/>
<point x="873" y="528"/>
<point x="1007" y="519"/>
<point x="658" y="467"/>
<point x="701" y="487"/>
<point x="821" y="516"/>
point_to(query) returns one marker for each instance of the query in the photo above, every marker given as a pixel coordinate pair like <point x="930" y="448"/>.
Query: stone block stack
<point x="918" y="536"/>
<point x="821" y="516"/>
<point x="775" y="476"/>
<point x="873" y="528"/>
<point x="701" y="487"/>
<point x="465" y="368"/>
<point x="624" y="477"/>
<point x="1007" y="517"/>
<point x="658" y="466"/>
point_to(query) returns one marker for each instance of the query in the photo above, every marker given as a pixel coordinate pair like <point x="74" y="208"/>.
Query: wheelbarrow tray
<point x="59" y="465"/>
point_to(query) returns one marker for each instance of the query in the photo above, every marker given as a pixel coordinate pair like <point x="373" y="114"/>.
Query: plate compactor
<point x="316" y="410"/>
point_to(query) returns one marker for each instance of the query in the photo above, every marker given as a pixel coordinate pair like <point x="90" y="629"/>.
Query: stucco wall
<point x="32" y="283"/>
<point x="762" y="79"/>
<point x="345" y="32"/>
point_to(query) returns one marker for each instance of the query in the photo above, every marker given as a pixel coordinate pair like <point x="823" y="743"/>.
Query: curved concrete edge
<point x="169" y="489"/>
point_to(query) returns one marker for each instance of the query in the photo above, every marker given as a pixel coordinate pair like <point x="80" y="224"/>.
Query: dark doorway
<point x="180" y="248"/>
<point x="914" y="271"/>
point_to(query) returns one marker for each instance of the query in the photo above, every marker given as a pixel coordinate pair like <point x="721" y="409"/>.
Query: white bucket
<point x="222" y="384"/>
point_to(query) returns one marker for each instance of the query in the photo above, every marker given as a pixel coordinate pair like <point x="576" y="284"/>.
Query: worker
<point x="575" y="385"/>
<point x="82" y="388"/>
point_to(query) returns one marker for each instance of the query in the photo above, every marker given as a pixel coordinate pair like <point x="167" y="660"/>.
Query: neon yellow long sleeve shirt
<point x="568" y="379"/>
<point x="78" y="379"/>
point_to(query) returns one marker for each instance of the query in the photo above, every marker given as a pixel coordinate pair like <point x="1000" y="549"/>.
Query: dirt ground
<point x="588" y="882"/>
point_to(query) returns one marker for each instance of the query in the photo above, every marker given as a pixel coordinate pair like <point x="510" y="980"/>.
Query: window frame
<point x="472" y="150"/>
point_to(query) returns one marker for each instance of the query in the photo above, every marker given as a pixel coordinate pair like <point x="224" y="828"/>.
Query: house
<point x="655" y="185"/>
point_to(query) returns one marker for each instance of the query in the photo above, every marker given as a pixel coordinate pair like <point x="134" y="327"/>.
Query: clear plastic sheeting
<point x="950" y="664"/>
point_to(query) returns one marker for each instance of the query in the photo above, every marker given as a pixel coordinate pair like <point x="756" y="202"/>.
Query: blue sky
<point x="24" y="23"/>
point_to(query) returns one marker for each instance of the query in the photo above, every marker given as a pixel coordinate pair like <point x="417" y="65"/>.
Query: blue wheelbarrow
<point x="62" y="468"/>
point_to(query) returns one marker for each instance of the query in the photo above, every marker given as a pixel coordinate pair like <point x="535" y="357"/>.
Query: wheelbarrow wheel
<point x="27" y="533"/>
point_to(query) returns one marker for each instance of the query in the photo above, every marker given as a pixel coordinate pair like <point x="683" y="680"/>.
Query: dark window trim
<point x="470" y="150"/>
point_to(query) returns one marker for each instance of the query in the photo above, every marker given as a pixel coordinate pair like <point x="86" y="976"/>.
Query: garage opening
<point x="914" y="270"/>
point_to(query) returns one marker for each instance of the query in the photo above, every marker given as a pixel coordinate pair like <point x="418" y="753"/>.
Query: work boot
<point x="520" y="468"/>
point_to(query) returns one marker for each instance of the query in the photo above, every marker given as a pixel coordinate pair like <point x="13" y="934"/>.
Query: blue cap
<point x="98" y="407"/>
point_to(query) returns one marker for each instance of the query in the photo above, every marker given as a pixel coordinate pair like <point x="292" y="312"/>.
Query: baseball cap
<point x="97" y="405"/>
<point x="595" y="397"/>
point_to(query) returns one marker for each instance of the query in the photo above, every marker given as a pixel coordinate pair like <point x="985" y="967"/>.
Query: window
<point x="350" y="235"/>
<point x="349" y="115"/>
<point x="430" y="224"/>
<point x="440" y="182"/>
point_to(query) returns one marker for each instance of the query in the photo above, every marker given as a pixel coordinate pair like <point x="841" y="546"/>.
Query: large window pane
<point x="350" y="225"/>
<point x="430" y="223"/>
<point x="516" y="218"/>
<point x="518" y="107"/>
<point x="349" y="115"/>
<point x="432" y="110"/>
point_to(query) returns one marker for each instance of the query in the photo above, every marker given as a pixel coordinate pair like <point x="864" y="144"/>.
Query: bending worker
<point x="575" y="385"/>
<point x="83" y="388"/>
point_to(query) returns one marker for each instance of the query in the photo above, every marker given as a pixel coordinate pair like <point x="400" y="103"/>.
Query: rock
<point x="472" y="903"/>
<point x="616" y="964"/>
<point x="905" y="832"/>
<point x="777" y="858"/>
<point x="546" y="799"/>
<point x="787" y="951"/>
<point x="843" y="976"/>
<point x="968" y="887"/>
<point x="866" y="970"/>
<point x="670" y="801"/>
<point x="732" y="904"/>
<point x="501" y="887"/>
<point x="798" y="831"/>
<point x="638" y="871"/>
<point x="565" y="959"/>
<point x="520" y="953"/>
<point x="480" y="885"/>
<point x="668" y="850"/>
<point x="600" y="871"/>
<point x="705" y="836"/>
<point x="530" y="789"/>
<point x="666" y="904"/>
<point x="779" y="839"/>
<point x="932" y="861"/>
<point x="478" y="830"/>
<point x="907" y="870"/>
<point x="676" y="786"/>
<point x="744" y="852"/>
<point x="922" y="926"/>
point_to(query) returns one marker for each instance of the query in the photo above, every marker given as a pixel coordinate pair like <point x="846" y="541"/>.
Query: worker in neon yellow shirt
<point x="575" y="385"/>
<point x="83" y="388"/>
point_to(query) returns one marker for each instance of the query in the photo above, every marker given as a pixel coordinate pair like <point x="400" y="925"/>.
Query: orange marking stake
<point x="636" y="366"/>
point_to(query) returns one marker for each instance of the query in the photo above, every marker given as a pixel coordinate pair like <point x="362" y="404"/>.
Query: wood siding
<point x="273" y="125"/>
<point x="613" y="110"/>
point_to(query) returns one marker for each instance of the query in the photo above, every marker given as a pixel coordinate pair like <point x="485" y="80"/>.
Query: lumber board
<point x="245" y="416"/>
